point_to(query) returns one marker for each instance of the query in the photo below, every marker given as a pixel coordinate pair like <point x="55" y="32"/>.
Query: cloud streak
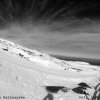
<point x="75" y="43"/>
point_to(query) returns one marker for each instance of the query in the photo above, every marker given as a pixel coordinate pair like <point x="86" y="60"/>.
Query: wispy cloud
<point x="58" y="39"/>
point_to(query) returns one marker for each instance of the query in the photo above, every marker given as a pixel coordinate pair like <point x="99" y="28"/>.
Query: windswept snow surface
<point x="45" y="59"/>
<point x="23" y="71"/>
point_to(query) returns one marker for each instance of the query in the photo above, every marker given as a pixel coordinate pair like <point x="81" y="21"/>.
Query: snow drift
<point x="32" y="75"/>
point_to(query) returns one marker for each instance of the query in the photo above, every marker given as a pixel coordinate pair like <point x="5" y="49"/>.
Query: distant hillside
<point x="88" y="60"/>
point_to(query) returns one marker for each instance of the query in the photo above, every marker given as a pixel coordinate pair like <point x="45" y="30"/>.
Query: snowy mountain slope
<point x="45" y="59"/>
<point x="24" y="71"/>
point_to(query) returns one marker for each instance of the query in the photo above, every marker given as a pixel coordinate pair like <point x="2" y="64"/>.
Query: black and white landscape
<point x="59" y="49"/>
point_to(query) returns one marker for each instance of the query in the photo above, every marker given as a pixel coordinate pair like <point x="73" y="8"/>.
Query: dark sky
<point x="58" y="27"/>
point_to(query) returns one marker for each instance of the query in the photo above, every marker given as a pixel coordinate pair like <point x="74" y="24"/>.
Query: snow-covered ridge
<point x="45" y="59"/>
